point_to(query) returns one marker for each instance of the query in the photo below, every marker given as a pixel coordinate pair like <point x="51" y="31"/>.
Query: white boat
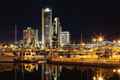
<point x="30" y="56"/>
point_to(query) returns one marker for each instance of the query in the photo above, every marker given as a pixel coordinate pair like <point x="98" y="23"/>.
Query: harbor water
<point x="44" y="71"/>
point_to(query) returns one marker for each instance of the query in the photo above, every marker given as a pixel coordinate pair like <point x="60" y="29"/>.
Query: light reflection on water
<point x="32" y="71"/>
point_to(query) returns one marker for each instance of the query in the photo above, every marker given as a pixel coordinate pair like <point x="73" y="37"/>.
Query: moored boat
<point x="29" y="56"/>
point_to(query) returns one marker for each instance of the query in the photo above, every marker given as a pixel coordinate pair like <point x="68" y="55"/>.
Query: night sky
<point x="90" y="17"/>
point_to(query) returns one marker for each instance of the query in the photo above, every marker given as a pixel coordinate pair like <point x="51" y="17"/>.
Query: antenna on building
<point x="15" y="33"/>
<point x="81" y="39"/>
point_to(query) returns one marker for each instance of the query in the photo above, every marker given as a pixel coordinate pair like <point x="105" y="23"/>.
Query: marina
<point x="59" y="40"/>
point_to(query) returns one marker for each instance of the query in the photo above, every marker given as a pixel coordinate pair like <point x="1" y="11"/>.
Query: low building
<point x="64" y="38"/>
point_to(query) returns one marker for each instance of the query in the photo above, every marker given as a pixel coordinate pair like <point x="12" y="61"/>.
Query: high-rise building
<point x="36" y="37"/>
<point x="56" y="33"/>
<point x="28" y="36"/>
<point x="46" y="28"/>
<point x="64" y="38"/>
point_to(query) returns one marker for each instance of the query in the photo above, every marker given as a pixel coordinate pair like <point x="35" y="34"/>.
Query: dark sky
<point x="88" y="16"/>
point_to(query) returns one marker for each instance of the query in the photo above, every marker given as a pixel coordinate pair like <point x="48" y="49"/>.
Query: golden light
<point x="29" y="67"/>
<point x="62" y="44"/>
<point x="83" y="44"/>
<point x="91" y="50"/>
<point x="61" y="56"/>
<point x="94" y="78"/>
<point x="94" y="39"/>
<point x="11" y="45"/>
<point x="118" y="71"/>
<point x="114" y="41"/>
<point x="100" y="78"/>
<point x="5" y="46"/>
<point x="100" y="38"/>
<point x="114" y="70"/>
<point x="118" y="41"/>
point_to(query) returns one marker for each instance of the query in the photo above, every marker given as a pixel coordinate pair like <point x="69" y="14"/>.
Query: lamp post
<point x="94" y="40"/>
<point x="99" y="40"/>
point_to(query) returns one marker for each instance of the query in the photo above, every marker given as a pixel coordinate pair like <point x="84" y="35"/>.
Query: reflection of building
<point x="46" y="28"/>
<point x="31" y="67"/>
<point x="56" y="33"/>
<point x="64" y="38"/>
<point x="6" y="67"/>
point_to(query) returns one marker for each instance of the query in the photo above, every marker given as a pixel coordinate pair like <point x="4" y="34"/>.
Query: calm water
<point x="10" y="71"/>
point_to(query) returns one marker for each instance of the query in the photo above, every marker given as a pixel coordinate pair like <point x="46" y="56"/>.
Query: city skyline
<point x="59" y="40"/>
<point x="76" y="17"/>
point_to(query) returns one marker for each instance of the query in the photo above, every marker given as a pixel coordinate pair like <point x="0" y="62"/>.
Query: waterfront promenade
<point x="87" y="60"/>
<point x="58" y="58"/>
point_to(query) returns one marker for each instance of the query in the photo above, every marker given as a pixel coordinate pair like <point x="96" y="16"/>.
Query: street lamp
<point x="118" y="71"/>
<point x="118" y="41"/>
<point x="82" y="44"/>
<point x="94" y="39"/>
<point x="100" y="39"/>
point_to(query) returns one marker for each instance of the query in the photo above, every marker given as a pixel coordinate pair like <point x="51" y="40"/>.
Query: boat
<point x="29" y="56"/>
<point x="7" y="57"/>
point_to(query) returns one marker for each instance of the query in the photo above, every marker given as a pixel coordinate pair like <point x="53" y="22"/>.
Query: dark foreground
<point x="43" y="71"/>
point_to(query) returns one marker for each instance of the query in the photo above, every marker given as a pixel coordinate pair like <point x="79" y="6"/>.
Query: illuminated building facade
<point x="56" y="33"/>
<point x="46" y="28"/>
<point x="36" y="37"/>
<point x="64" y="38"/>
<point x="28" y="36"/>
